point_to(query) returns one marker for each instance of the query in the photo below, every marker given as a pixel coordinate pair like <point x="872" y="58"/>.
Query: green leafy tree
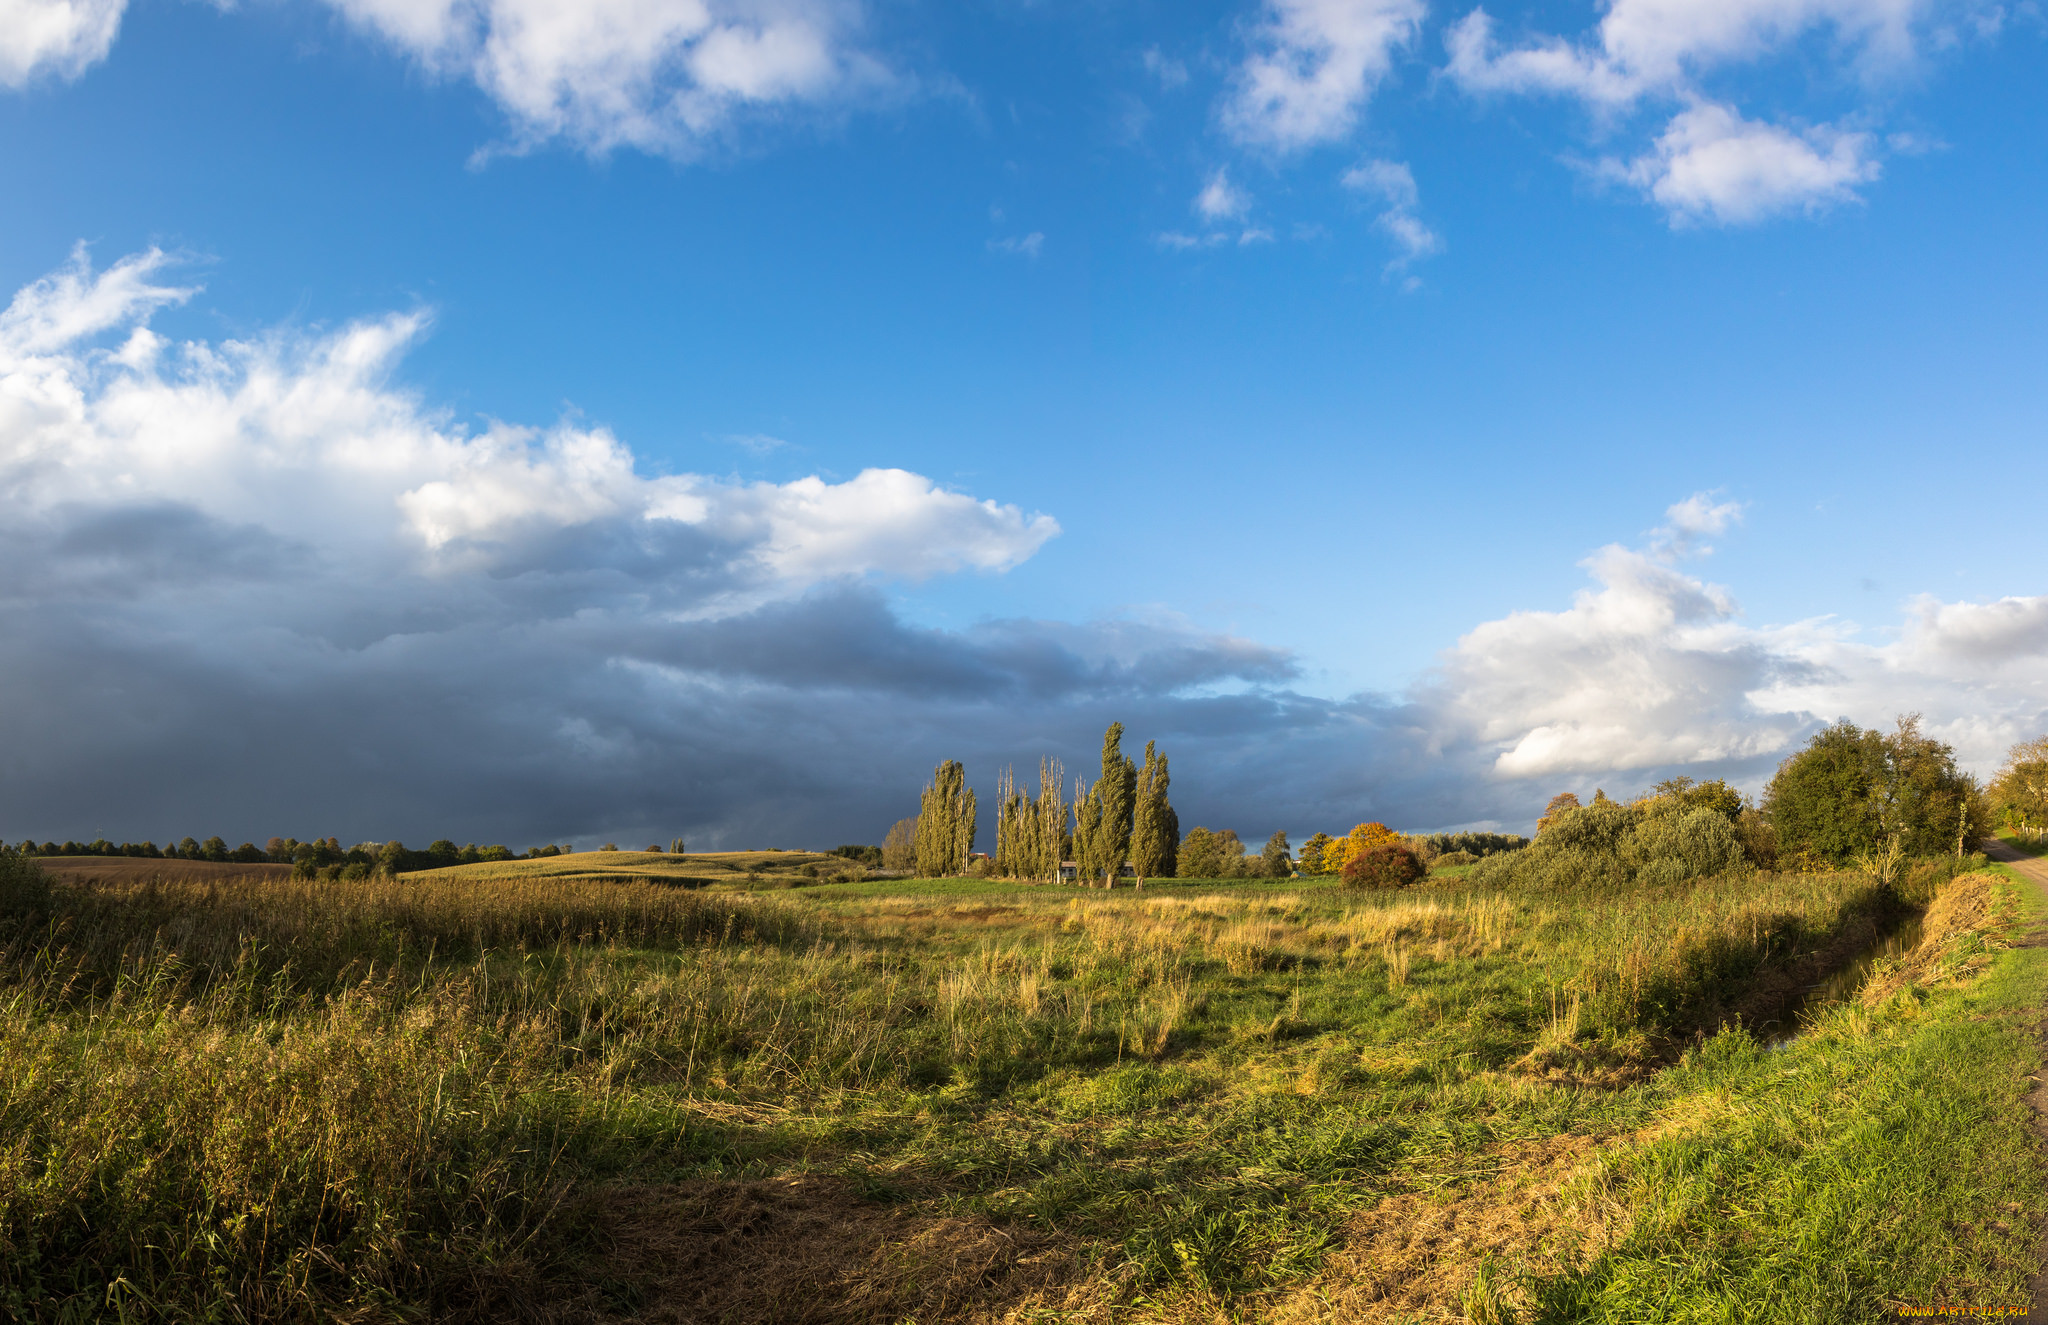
<point x="1311" y="858"/>
<point x="1852" y="792"/>
<point x="1116" y="795"/>
<point x="2019" y="792"/>
<point x="1155" y="829"/>
<point x="945" y="823"/>
<point x="1273" y="860"/>
<point x="1088" y="852"/>
<point x="1200" y="855"/>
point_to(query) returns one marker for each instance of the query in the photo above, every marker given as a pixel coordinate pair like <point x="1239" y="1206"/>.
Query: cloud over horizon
<point x="254" y="587"/>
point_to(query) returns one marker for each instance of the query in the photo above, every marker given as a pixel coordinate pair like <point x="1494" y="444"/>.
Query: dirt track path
<point x="2033" y="867"/>
<point x="2035" y="871"/>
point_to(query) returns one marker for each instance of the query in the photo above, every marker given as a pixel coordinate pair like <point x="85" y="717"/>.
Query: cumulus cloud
<point x="1651" y="671"/>
<point x="1709" y="163"/>
<point x="1393" y="184"/>
<point x="1312" y="66"/>
<point x="60" y="38"/>
<point x="664" y="78"/>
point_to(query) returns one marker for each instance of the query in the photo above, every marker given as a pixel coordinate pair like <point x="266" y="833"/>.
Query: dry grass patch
<point x="803" y="1251"/>
<point x="1420" y="1255"/>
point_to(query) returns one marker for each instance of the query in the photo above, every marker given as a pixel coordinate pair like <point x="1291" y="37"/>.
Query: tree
<point x="1311" y="858"/>
<point x="1116" y="793"/>
<point x="1274" y="857"/>
<point x="899" y="846"/>
<point x="945" y="823"/>
<point x="1199" y="856"/>
<point x="1852" y="791"/>
<point x="1155" y="829"/>
<point x="1088" y="853"/>
<point x="1564" y="800"/>
<point x="676" y="847"/>
<point x="215" y="848"/>
<point x="2019" y="792"/>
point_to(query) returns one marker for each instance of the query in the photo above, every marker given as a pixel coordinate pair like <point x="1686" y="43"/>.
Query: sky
<point x="534" y="420"/>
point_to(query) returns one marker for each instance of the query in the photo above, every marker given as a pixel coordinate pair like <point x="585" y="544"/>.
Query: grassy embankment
<point x="580" y="1093"/>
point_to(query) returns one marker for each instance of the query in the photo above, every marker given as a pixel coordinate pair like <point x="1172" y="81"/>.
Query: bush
<point x="1607" y="846"/>
<point x="1452" y="859"/>
<point x="1671" y="848"/>
<point x="1388" y="865"/>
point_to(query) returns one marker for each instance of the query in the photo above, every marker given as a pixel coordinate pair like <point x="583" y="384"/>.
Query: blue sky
<point x="1336" y="336"/>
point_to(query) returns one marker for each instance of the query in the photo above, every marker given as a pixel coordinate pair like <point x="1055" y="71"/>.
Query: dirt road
<point x="2035" y="871"/>
<point x="2033" y="867"/>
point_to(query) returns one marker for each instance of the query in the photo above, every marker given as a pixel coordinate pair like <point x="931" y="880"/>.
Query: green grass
<point x="2019" y="842"/>
<point x="282" y="1100"/>
<point x="1884" y="1159"/>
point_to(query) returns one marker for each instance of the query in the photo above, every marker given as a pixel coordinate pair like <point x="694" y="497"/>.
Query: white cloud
<point x="1646" y="47"/>
<point x="1393" y="183"/>
<point x="662" y="76"/>
<point x="1028" y="246"/>
<point x="1652" y="671"/>
<point x="1687" y="524"/>
<point x="239" y="432"/>
<point x="1313" y="66"/>
<point x="1711" y="165"/>
<point x="1220" y="200"/>
<point x="62" y="38"/>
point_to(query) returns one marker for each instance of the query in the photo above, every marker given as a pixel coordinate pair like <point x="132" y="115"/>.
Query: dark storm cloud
<point x="252" y="589"/>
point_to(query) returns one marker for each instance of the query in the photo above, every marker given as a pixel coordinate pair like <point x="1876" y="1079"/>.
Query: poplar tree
<point x="1118" y="790"/>
<point x="945" y="823"/>
<point x="1088" y="853"/>
<point x="1010" y="844"/>
<point x="1051" y="838"/>
<point x="1155" y="828"/>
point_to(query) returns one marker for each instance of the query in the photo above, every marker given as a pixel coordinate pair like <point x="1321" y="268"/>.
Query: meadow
<point x="615" y="1086"/>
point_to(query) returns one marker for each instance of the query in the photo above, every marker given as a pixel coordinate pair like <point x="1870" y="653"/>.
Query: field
<point x="771" y="868"/>
<point x="571" y="1089"/>
<point x="134" y="869"/>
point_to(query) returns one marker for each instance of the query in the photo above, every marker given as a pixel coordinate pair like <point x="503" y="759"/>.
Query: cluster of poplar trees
<point x="945" y="823"/>
<point x="1123" y="817"/>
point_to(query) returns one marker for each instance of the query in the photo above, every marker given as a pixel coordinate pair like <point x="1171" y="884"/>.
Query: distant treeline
<point x="1475" y="844"/>
<point x="320" y="855"/>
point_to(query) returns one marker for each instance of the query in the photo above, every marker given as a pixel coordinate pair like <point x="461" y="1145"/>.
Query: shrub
<point x="1671" y="848"/>
<point x="1387" y="865"/>
<point x="1452" y="859"/>
<point x="1607" y="846"/>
